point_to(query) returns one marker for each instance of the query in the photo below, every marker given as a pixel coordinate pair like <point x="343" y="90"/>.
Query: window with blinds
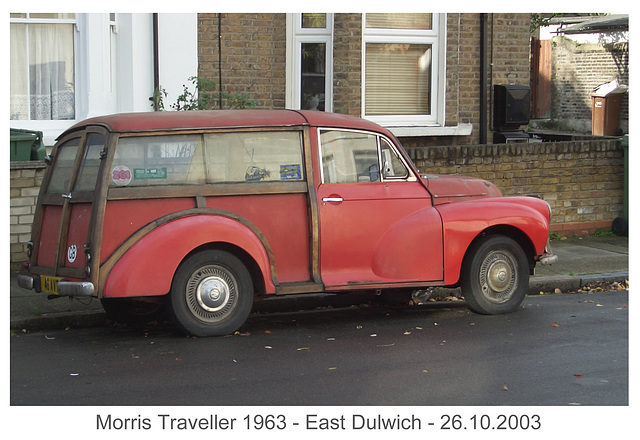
<point x="400" y="64"/>
<point x="398" y="79"/>
<point x="399" y="21"/>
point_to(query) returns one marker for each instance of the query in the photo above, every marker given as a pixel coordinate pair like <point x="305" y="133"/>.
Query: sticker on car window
<point x="149" y="173"/>
<point x="255" y="174"/>
<point x="121" y="175"/>
<point x="290" y="172"/>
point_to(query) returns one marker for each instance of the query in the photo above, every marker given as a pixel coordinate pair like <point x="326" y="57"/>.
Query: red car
<point x="211" y="210"/>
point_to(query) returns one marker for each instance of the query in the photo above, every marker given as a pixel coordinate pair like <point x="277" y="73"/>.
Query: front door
<point x="377" y="223"/>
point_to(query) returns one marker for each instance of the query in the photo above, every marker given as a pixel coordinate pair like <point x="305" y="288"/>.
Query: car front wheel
<point x="495" y="275"/>
<point x="212" y="294"/>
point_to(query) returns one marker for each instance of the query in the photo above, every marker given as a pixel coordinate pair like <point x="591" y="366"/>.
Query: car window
<point x="158" y="160"/>
<point x="63" y="166"/>
<point x="88" y="174"/>
<point x="349" y="157"/>
<point x="391" y="163"/>
<point x="253" y="156"/>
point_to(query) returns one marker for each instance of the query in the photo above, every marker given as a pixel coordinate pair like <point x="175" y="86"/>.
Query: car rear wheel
<point x="211" y="294"/>
<point x="495" y="276"/>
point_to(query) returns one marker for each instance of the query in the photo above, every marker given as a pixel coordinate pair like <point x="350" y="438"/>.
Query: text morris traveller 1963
<point x="210" y="210"/>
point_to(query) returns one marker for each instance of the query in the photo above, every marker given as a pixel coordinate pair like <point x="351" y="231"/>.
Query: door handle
<point x="332" y="199"/>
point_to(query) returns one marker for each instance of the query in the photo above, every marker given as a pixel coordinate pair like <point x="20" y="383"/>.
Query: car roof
<point x="202" y="119"/>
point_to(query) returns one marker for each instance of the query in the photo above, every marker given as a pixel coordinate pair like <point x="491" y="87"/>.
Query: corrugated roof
<point x="605" y="23"/>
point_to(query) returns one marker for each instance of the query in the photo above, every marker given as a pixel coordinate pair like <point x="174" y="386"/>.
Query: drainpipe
<point x="220" y="60"/>
<point x="156" y="64"/>
<point x="483" y="78"/>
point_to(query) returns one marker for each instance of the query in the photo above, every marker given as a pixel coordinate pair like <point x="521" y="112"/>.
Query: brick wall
<point x="347" y="54"/>
<point x="577" y="69"/>
<point x="583" y="181"/>
<point x="253" y="48"/>
<point x="26" y="178"/>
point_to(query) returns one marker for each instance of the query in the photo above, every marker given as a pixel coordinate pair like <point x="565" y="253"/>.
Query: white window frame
<point x="296" y="36"/>
<point x="436" y="37"/>
<point x="55" y="124"/>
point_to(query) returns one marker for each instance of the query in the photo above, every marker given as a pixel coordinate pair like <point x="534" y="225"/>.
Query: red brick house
<point x="428" y="77"/>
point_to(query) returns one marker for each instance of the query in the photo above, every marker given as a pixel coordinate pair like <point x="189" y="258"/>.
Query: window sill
<point x="414" y="131"/>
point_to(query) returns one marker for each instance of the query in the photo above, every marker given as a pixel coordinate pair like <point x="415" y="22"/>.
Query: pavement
<point x="581" y="260"/>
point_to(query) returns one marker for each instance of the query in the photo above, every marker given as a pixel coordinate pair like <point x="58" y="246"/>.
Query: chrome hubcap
<point x="498" y="277"/>
<point x="211" y="293"/>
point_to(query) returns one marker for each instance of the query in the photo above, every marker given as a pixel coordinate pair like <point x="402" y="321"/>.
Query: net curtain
<point x="42" y="72"/>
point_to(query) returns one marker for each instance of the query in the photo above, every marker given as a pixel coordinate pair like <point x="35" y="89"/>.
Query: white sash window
<point x="42" y="80"/>
<point x="403" y="81"/>
<point x="310" y="62"/>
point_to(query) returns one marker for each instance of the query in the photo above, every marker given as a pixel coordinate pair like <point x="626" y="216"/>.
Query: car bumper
<point x="548" y="257"/>
<point x="64" y="288"/>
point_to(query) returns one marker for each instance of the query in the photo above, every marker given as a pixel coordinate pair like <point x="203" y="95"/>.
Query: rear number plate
<point x="49" y="284"/>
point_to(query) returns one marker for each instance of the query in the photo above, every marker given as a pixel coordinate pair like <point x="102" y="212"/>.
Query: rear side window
<point x="209" y="158"/>
<point x="157" y="160"/>
<point x="253" y="156"/>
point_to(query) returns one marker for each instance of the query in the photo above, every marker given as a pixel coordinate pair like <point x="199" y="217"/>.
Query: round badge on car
<point x="72" y="253"/>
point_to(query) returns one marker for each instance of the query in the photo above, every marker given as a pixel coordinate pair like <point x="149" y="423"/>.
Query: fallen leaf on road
<point x="504" y="388"/>
<point x="302" y="348"/>
<point x="578" y="376"/>
<point x="555" y="324"/>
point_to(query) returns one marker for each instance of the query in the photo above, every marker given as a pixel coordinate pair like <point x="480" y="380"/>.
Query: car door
<point x="63" y="227"/>
<point x="377" y="223"/>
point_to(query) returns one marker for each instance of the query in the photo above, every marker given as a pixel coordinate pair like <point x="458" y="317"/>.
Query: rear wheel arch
<point x="257" y="276"/>
<point x="177" y="238"/>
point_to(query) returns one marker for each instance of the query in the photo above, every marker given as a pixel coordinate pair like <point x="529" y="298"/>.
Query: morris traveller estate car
<point x="210" y="210"/>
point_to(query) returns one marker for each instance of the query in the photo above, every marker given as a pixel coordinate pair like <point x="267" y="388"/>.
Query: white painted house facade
<point x="68" y="67"/>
